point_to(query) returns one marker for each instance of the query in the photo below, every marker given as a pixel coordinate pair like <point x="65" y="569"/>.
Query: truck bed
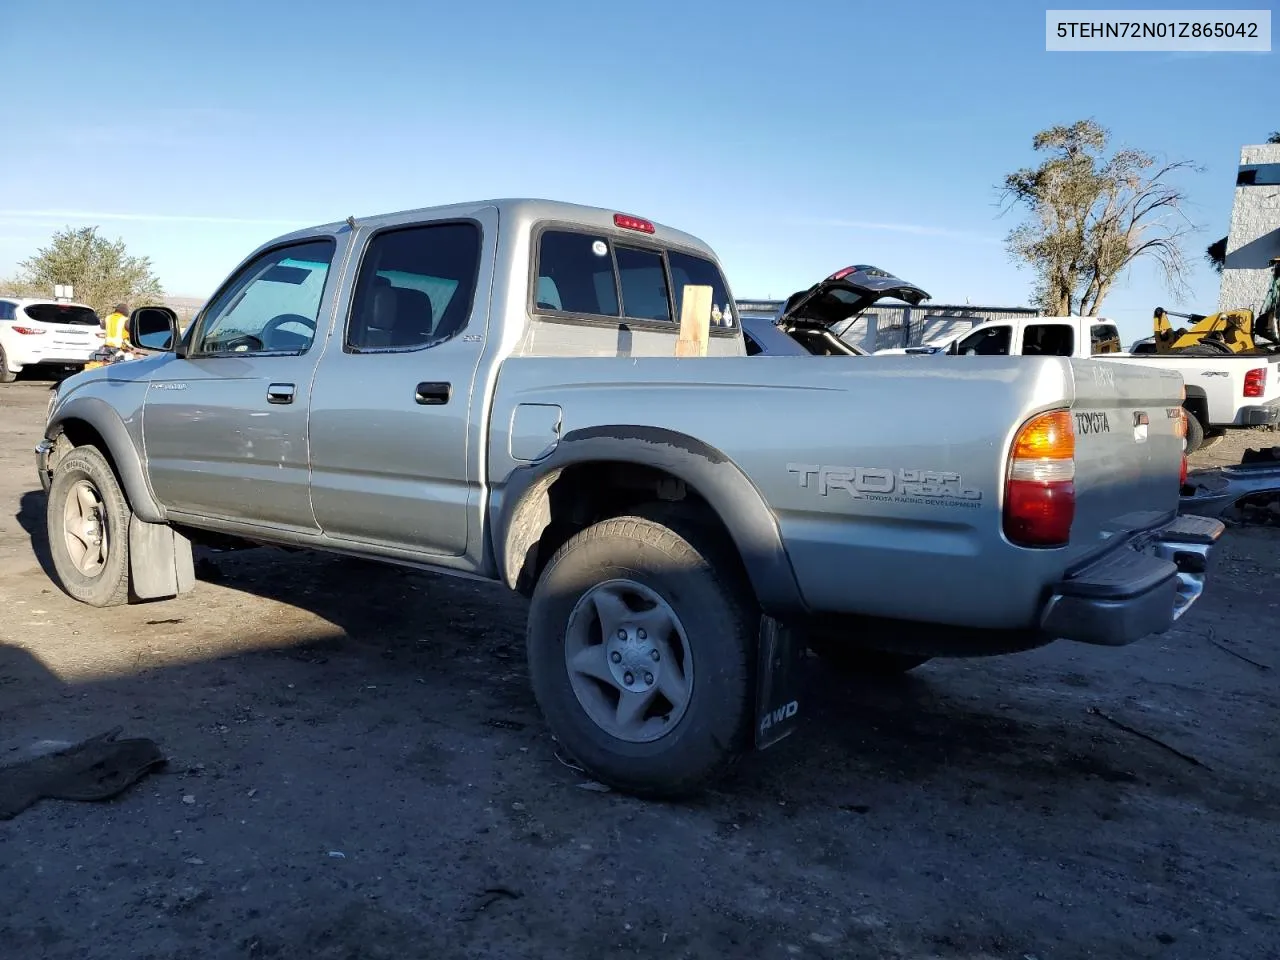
<point x="886" y="476"/>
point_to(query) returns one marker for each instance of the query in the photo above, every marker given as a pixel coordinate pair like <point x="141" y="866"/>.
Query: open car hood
<point x="845" y="294"/>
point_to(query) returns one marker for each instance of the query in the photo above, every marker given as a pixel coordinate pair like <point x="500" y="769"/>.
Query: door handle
<point x="280" y="393"/>
<point x="432" y="393"/>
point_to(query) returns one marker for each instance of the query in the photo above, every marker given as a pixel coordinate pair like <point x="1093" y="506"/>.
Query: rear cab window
<point x="62" y="313"/>
<point x="1104" y="338"/>
<point x="593" y="276"/>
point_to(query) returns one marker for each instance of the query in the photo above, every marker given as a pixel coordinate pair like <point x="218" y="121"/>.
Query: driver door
<point x="225" y="421"/>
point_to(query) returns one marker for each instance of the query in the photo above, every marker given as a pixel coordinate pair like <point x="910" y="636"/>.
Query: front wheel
<point x="87" y="519"/>
<point x="640" y="641"/>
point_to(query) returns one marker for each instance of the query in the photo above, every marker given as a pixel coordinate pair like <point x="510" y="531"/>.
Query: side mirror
<point x="152" y="328"/>
<point x="954" y="349"/>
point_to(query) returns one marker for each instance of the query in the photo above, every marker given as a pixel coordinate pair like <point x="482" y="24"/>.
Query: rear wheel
<point x="640" y="640"/>
<point x="854" y="660"/>
<point x="87" y="519"/>
<point x="6" y="375"/>
<point x="1195" y="433"/>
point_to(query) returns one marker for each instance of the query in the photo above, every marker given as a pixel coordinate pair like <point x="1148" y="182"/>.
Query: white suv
<point x="34" y="331"/>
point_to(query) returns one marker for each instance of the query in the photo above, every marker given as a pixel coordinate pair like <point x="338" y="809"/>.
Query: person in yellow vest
<point x="114" y="324"/>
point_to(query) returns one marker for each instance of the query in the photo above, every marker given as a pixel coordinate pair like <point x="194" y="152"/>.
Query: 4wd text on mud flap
<point x="1093" y="422"/>
<point x="931" y="487"/>
<point x="784" y="712"/>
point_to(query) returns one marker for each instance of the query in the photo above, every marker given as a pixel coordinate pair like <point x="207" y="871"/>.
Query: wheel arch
<point x="92" y="421"/>
<point x="1197" y="403"/>
<point x="600" y="471"/>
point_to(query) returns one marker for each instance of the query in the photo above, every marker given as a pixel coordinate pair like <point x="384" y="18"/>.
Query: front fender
<point x="107" y="423"/>
<point x="704" y="469"/>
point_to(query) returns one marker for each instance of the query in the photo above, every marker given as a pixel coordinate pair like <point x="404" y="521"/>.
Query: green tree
<point x="1089" y="214"/>
<point x="1275" y="137"/>
<point x="101" y="271"/>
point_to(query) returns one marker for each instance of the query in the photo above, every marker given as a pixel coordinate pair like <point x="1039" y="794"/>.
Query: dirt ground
<point x="357" y="770"/>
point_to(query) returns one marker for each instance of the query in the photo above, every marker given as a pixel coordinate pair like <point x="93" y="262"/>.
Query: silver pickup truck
<point x="491" y="390"/>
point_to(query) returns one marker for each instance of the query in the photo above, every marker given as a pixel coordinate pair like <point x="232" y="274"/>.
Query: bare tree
<point x="1275" y="137"/>
<point x="102" y="272"/>
<point x="1090" y="215"/>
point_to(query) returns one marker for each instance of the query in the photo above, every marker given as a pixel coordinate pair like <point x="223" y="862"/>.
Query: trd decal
<point x="928" y="487"/>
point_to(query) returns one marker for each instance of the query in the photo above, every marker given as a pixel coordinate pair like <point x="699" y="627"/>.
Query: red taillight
<point x="29" y="331"/>
<point x="1255" y="382"/>
<point x="1040" y="492"/>
<point x="841" y="274"/>
<point x="627" y="222"/>
<point x="1182" y="478"/>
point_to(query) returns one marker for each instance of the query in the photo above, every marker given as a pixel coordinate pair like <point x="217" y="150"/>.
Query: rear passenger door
<point x="1048" y="340"/>
<point x="394" y="458"/>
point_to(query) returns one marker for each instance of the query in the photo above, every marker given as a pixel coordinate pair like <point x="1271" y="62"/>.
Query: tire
<point x="1206" y="348"/>
<point x="1195" y="433"/>
<point x="670" y="751"/>
<point x="6" y="375"/>
<point x="85" y="486"/>
<point x="853" y="660"/>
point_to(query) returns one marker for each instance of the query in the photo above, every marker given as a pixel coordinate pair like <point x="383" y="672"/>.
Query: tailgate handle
<point x="280" y="393"/>
<point x="433" y="393"/>
<point x="1140" y="418"/>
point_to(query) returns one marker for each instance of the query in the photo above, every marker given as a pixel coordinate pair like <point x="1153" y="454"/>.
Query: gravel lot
<point x="357" y="770"/>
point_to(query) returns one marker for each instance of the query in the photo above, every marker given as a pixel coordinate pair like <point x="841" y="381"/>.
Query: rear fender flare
<point x="751" y="524"/>
<point x="104" y="419"/>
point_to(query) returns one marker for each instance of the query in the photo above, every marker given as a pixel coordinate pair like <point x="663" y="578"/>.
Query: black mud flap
<point x="777" y="682"/>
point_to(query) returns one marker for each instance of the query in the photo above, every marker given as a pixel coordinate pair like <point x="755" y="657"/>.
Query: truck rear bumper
<point x="1137" y="590"/>
<point x="1212" y="493"/>
<point x="1263" y="415"/>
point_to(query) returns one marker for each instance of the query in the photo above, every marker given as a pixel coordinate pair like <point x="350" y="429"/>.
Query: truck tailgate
<point x="1128" y="450"/>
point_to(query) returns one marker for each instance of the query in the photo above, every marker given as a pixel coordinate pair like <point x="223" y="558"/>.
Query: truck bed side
<point x="884" y="476"/>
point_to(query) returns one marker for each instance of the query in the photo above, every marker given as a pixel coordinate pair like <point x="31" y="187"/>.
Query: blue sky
<point x="794" y="138"/>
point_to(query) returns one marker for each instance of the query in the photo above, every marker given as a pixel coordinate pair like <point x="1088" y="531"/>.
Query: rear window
<point x="588" y="274"/>
<point x="1104" y="338"/>
<point x="575" y="274"/>
<point x="62" y="313"/>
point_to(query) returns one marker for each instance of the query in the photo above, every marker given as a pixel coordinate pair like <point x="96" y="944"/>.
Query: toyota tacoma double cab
<point x="492" y="390"/>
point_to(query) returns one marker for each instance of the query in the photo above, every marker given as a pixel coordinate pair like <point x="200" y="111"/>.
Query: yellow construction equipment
<point x="1226" y="332"/>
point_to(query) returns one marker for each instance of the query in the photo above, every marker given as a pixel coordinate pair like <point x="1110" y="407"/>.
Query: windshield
<point x="62" y="313"/>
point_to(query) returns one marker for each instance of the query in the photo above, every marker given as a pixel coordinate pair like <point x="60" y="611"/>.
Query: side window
<point x="687" y="269"/>
<point x="575" y="274"/>
<point x="272" y="306"/>
<point x="1104" y="338"/>
<point x="7" y="310"/>
<point x="415" y="287"/>
<point x="1048" y="340"/>
<point x="988" y="342"/>
<point x="644" y="284"/>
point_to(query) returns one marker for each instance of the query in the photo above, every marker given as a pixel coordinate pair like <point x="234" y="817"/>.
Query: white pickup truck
<point x="1223" y="392"/>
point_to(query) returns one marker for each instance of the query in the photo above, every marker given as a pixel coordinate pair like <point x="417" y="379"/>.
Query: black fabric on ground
<point x="97" y="769"/>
